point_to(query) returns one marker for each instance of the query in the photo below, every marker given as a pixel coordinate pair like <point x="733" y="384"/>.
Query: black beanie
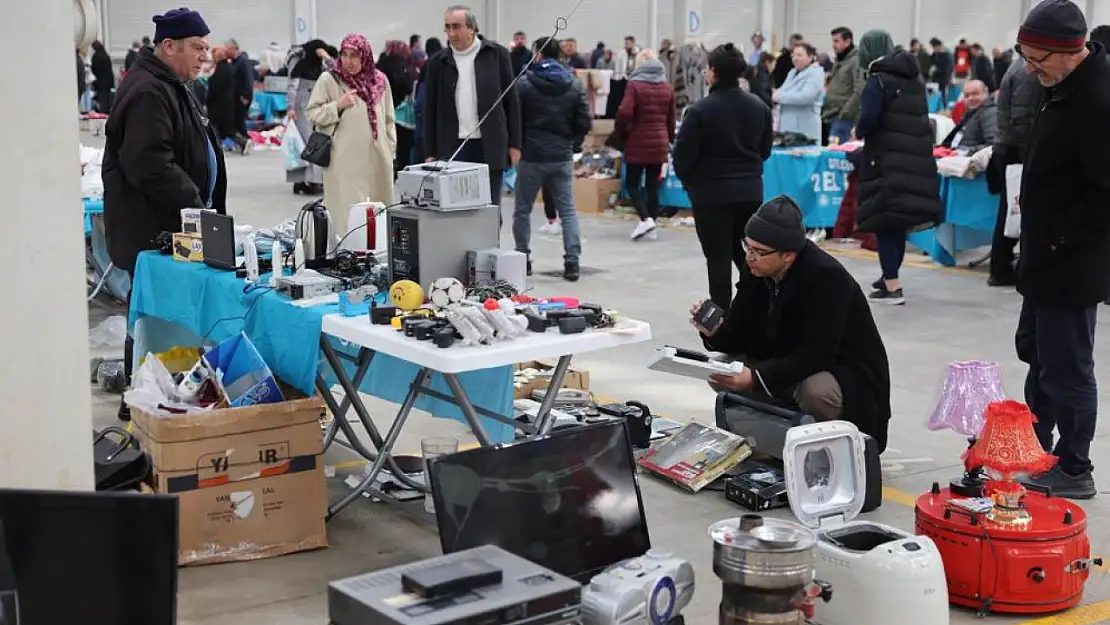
<point x="778" y="225"/>
<point x="179" y="24"/>
<point x="1055" y="26"/>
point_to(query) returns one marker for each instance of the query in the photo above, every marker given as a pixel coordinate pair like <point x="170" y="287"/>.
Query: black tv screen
<point x="88" y="558"/>
<point x="569" y="502"/>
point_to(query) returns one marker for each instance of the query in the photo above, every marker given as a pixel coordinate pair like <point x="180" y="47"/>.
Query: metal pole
<point x="915" y="19"/>
<point x="653" y="23"/>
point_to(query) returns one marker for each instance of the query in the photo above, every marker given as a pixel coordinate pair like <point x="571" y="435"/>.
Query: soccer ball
<point x="446" y="291"/>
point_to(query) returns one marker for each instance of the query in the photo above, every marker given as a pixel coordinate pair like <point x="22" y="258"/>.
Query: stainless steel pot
<point x="763" y="554"/>
<point x="731" y="616"/>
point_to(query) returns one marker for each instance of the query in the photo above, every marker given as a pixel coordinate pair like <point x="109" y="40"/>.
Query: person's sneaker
<point x="653" y="235"/>
<point x="571" y="271"/>
<point x="1063" y="484"/>
<point x="884" y="296"/>
<point x="643" y="228"/>
<point x="1001" y="281"/>
<point x="552" y="227"/>
<point x="247" y="148"/>
<point x="124" y="412"/>
<point x="816" y="235"/>
<point x="878" y="285"/>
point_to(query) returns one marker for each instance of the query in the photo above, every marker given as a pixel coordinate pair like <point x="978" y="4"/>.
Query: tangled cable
<point x="492" y="290"/>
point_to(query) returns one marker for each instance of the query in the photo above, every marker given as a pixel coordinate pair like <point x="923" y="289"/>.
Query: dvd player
<point x="528" y="594"/>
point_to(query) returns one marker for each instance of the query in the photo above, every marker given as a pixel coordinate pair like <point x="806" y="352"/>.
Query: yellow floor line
<point x="1090" y="614"/>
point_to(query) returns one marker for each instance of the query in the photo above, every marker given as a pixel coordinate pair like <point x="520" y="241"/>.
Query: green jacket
<point x="842" y="99"/>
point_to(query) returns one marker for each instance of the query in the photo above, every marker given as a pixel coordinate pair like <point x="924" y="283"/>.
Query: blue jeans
<point x="559" y="178"/>
<point x="841" y="129"/>
<point x="892" y="250"/>
<point x="1060" y="388"/>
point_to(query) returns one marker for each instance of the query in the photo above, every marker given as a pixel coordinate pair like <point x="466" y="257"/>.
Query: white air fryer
<point x="315" y="229"/>
<point x="880" y="575"/>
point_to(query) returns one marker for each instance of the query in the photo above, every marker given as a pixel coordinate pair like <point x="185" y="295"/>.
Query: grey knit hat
<point x="778" y="225"/>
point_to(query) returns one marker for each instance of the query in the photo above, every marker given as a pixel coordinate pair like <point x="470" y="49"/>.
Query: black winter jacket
<point x="554" y="111"/>
<point x="721" y="146"/>
<point x="818" y="320"/>
<point x="1019" y="99"/>
<point x="155" y="160"/>
<point x="1065" y="192"/>
<point x="899" y="189"/>
<point x="493" y="74"/>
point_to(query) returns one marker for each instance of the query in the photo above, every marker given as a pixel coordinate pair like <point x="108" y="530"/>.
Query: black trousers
<point x="405" y="142"/>
<point x="1060" y="388"/>
<point x="1002" y="247"/>
<point x="548" y="204"/>
<point x="720" y="229"/>
<point x="642" y="182"/>
<point x="241" y="113"/>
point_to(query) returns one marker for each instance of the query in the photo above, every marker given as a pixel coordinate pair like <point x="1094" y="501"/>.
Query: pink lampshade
<point x="969" y="387"/>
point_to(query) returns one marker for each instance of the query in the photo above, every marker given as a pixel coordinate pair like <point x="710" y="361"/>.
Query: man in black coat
<point x="1064" y="268"/>
<point x="556" y="119"/>
<point x="464" y="86"/>
<point x="244" y="85"/>
<point x="161" y="155"/>
<point x="803" y="328"/>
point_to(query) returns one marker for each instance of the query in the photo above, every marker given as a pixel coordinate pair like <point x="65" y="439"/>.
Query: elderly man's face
<point x="1050" y="67"/>
<point x="975" y="93"/>
<point x="186" y="57"/>
<point x="459" y="33"/>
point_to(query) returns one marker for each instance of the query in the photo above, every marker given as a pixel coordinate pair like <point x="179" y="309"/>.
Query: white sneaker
<point x="552" y="227"/>
<point x="816" y="235"/>
<point x="643" y="228"/>
<point x="653" y="235"/>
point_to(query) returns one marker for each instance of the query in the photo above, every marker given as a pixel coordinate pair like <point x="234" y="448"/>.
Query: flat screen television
<point x="88" y="558"/>
<point x="569" y="502"/>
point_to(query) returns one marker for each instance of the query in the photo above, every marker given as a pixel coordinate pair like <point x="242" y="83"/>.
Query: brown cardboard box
<point x="249" y="481"/>
<point x="575" y="378"/>
<point x="591" y="195"/>
<point x="599" y="134"/>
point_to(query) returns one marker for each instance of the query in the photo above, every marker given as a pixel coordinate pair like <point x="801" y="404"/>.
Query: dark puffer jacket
<point x="1065" y="192"/>
<point x="155" y="160"/>
<point x="899" y="188"/>
<point x="646" y="118"/>
<point x="554" y="113"/>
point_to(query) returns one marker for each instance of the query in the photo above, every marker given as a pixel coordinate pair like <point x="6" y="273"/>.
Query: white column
<point x="795" y="18"/>
<point x="915" y="20"/>
<point x="678" y="29"/>
<point x="767" y="21"/>
<point x="653" y="23"/>
<point x="304" y="21"/>
<point x="45" y="431"/>
<point x="1090" y="13"/>
<point x="495" y="22"/>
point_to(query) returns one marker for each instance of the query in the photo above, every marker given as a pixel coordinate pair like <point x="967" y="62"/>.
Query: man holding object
<point x="803" y="328"/>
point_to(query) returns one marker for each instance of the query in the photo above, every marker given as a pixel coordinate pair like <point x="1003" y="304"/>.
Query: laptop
<point x="217" y="235"/>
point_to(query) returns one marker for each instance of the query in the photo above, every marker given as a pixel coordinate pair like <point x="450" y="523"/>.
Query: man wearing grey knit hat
<point x="803" y="328"/>
<point x="1063" y="271"/>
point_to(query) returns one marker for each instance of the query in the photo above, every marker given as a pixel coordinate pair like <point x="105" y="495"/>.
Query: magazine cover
<point x="696" y="455"/>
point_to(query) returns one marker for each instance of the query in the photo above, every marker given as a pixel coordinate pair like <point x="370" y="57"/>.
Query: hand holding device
<point x="707" y="317"/>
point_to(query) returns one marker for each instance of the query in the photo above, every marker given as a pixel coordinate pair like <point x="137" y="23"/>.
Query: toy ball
<point x="406" y="294"/>
<point x="446" y="291"/>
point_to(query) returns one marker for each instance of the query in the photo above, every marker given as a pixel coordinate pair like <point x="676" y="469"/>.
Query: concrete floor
<point x="950" y="315"/>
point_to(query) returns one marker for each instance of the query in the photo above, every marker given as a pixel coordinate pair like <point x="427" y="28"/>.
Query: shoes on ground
<point x="1001" y="281"/>
<point x="124" y="412"/>
<point x="571" y="271"/>
<point x="643" y="228"/>
<point x="1063" y="484"/>
<point x="882" y="295"/>
<point x="552" y="227"/>
<point x="652" y="236"/>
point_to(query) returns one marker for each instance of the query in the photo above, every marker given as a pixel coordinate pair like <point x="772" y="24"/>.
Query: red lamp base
<point x="1033" y="567"/>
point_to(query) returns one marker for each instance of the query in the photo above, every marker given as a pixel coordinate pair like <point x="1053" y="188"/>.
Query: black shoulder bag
<point x="317" y="149"/>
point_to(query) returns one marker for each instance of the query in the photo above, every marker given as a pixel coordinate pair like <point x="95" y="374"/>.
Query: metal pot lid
<point x="772" y="535"/>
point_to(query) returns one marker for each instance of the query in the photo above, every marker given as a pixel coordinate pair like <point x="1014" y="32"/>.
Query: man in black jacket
<point x="803" y="328"/>
<point x="1064" y="268"/>
<point x="1019" y="98"/>
<point x="161" y="155"/>
<point x="556" y="118"/>
<point x="244" y="86"/>
<point x="718" y="155"/>
<point x="942" y="68"/>
<point x="464" y="104"/>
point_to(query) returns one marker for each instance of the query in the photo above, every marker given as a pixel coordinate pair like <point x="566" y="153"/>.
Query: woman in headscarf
<point x="396" y="64"/>
<point x="314" y="59"/>
<point x="431" y="47"/>
<point x="352" y="102"/>
<point x="101" y="65"/>
<point x="898" y="191"/>
<point x="646" y="122"/>
<point x="220" y="98"/>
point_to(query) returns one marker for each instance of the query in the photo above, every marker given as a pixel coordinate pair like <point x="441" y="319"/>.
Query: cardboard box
<point x="188" y="247"/>
<point x="250" y="481"/>
<point x="575" y="378"/>
<point x="594" y="195"/>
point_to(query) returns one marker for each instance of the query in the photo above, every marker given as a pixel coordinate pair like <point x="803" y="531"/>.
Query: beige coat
<point x="361" y="168"/>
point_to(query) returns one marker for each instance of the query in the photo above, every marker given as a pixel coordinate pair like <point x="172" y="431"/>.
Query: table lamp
<point x="1007" y="447"/>
<point x="969" y="387"/>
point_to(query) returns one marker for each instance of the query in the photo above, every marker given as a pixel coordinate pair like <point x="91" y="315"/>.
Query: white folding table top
<point x="460" y="359"/>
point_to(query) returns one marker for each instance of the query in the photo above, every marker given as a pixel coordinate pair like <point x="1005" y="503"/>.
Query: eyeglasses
<point x="755" y="251"/>
<point x="1029" y="59"/>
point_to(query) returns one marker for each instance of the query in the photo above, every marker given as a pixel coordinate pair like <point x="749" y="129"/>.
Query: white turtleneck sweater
<point x="466" y="91"/>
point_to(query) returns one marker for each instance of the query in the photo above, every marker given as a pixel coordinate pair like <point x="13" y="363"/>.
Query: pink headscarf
<point x="368" y="83"/>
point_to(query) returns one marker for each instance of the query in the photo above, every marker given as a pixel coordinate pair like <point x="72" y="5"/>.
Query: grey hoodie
<point x="651" y="70"/>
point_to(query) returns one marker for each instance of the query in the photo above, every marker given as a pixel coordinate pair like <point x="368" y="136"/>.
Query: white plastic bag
<point x="1012" y="227"/>
<point x="292" y="144"/>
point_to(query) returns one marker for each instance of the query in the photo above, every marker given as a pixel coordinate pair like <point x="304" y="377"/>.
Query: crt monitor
<point x="569" y="501"/>
<point x="88" y="558"/>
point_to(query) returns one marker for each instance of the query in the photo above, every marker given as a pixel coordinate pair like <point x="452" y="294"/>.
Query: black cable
<point x="243" y="317"/>
<point x="560" y="25"/>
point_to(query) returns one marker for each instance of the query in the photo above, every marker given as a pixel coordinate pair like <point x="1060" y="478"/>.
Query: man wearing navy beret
<point x="161" y="153"/>
<point x="1063" y="271"/>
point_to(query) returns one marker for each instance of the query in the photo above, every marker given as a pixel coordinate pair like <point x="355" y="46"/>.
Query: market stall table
<point x="450" y="364"/>
<point x="267" y="106"/>
<point x="969" y="215"/>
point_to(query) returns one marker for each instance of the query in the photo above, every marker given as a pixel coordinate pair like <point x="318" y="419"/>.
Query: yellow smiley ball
<point x="406" y="294"/>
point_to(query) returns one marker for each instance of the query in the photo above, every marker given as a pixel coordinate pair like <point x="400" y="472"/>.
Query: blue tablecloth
<point x="212" y="304"/>
<point x="92" y="207"/>
<point x="815" y="179"/>
<point x="969" y="216"/>
<point x="936" y="102"/>
<point x="266" y="105"/>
